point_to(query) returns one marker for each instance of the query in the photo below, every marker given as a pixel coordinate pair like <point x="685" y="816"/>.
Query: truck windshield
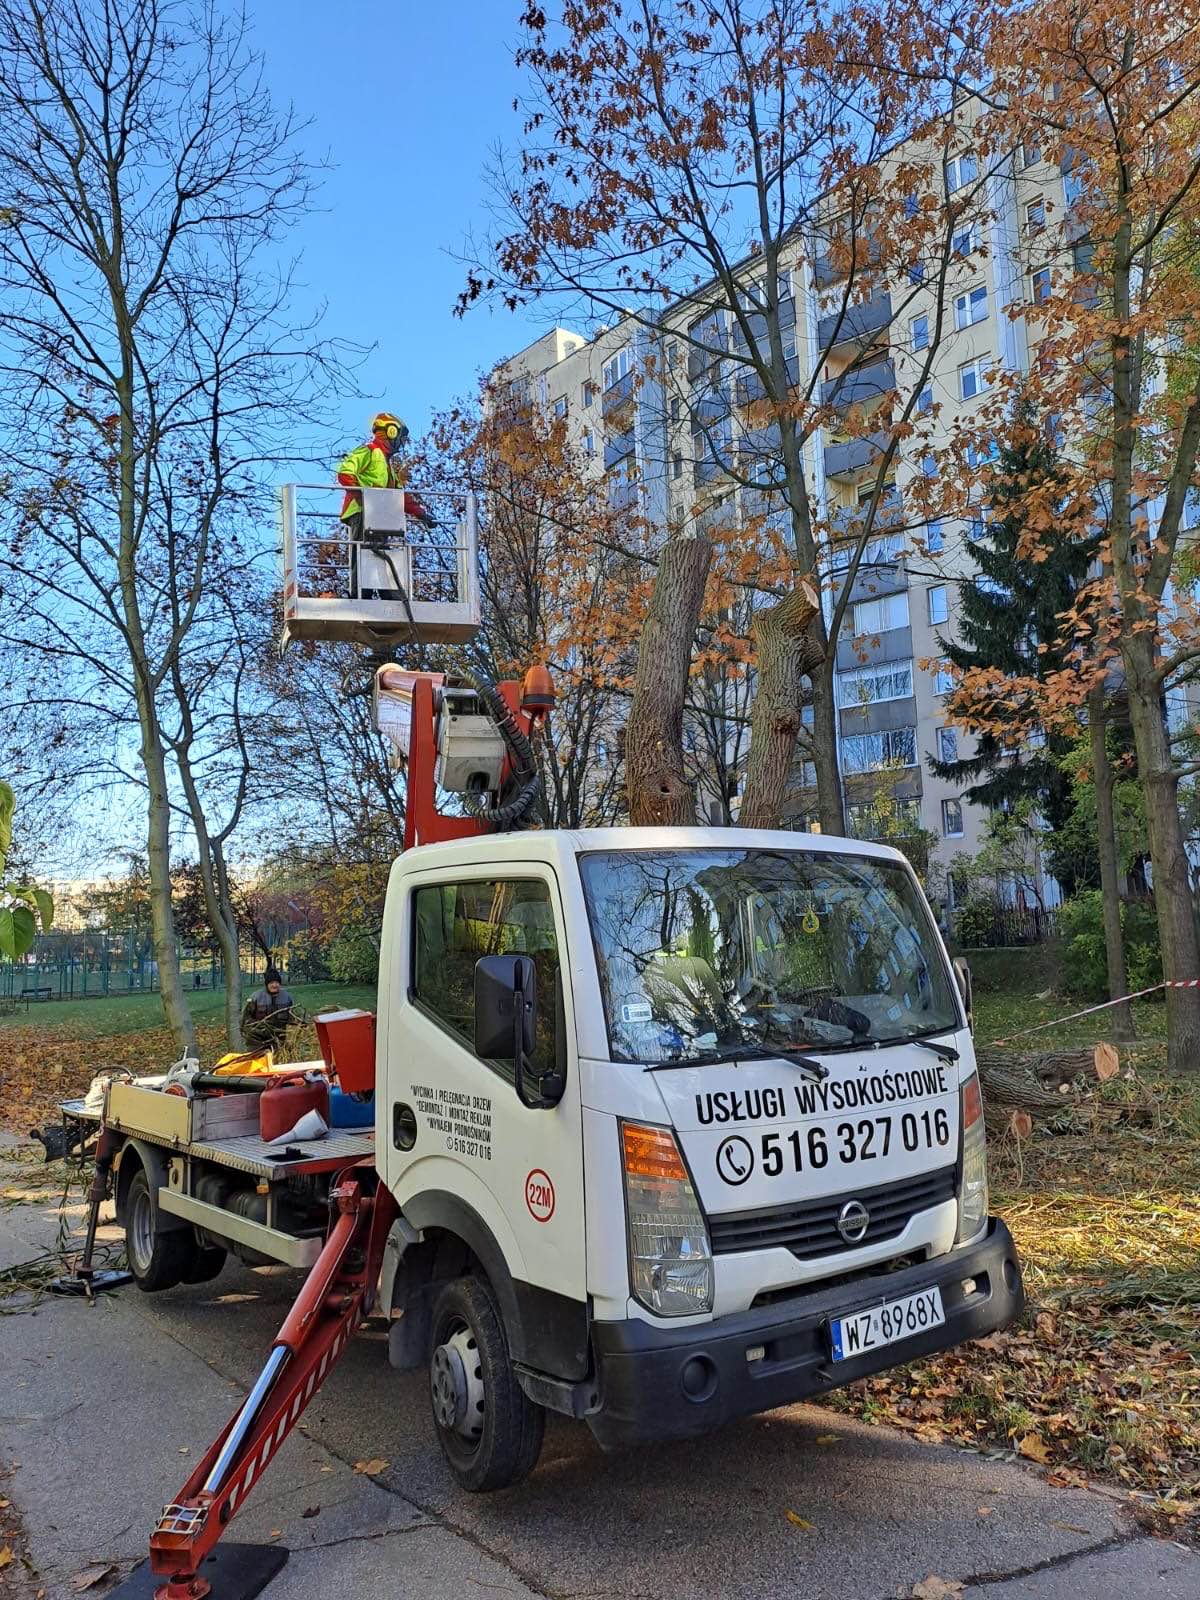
<point x="703" y="950"/>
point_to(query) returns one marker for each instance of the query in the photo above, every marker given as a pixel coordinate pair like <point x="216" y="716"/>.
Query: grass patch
<point x="42" y="1064"/>
<point x="109" y="1016"/>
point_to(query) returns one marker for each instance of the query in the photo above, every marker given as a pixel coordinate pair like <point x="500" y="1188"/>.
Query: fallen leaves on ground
<point x="935" y="1588"/>
<point x="1100" y="1382"/>
<point x="372" y="1468"/>
<point x="6" y="1555"/>
<point x="91" y="1576"/>
<point x="797" y="1521"/>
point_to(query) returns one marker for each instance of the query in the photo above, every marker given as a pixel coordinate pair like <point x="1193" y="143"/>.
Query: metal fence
<point x="80" y="966"/>
<point x="979" y="926"/>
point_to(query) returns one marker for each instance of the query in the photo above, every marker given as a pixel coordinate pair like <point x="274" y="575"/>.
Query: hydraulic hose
<point x="508" y="815"/>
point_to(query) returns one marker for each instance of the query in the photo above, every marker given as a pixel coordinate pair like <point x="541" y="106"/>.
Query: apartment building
<point x="664" y="417"/>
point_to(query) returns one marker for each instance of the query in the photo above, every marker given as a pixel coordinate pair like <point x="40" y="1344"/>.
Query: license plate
<point x="886" y="1324"/>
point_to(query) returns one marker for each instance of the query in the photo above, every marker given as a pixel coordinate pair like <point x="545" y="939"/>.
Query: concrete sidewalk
<point x="105" y="1406"/>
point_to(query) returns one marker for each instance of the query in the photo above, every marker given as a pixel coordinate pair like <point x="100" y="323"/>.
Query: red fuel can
<point x="282" y="1106"/>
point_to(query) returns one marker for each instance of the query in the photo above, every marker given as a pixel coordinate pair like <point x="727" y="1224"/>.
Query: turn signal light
<point x="972" y="1102"/>
<point x="652" y="1153"/>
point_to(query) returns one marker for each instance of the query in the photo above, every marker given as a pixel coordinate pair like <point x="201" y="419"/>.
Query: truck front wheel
<point x="157" y="1260"/>
<point x="489" y="1431"/>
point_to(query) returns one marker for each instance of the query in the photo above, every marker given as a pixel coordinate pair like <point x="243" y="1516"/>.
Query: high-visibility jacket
<point x="368" y="468"/>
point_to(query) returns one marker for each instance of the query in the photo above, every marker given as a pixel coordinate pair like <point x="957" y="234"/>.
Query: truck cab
<point x="682" y="1124"/>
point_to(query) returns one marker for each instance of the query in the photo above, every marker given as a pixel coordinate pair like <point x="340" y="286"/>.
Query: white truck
<point x="679" y="1124"/>
<point x="671" y="1125"/>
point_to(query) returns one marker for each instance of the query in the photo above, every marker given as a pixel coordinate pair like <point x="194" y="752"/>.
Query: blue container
<point x="347" y="1112"/>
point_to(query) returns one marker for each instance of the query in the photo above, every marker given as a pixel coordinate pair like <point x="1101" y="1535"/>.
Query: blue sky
<point x="408" y="101"/>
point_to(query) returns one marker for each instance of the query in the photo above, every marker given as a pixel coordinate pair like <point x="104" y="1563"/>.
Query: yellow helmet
<point x="391" y="427"/>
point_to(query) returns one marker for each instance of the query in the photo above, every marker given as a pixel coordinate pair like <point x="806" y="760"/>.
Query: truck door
<point x="456" y="1126"/>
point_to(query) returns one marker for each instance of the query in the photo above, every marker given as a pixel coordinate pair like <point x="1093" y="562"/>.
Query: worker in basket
<point x="376" y="465"/>
<point x="267" y="1015"/>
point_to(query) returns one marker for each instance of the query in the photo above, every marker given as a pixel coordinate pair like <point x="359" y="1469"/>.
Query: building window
<point x="971" y="307"/>
<point x="952" y="819"/>
<point x="892" y="747"/>
<point x="960" y="170"/>
<point x="675" y="408"/>
<point x="672" y="355"/>
<point x="589" y="443"/>
<point x="971" y="378"/>
<point x="977" y="528"/>
<point x="880" y="616"/>
<point x="1039" y="286"/>
<point x="934" y="541"/>
<point x="929" y="466"/>
<point x="981" y="451"/>
<point x="916" y="273"/>
<point x="1035" y="215"/>
<point x="1031" y="154"/>
<point x="677" y="464"/>
<point x="587" y="393"/>
<point x="925" y="399"/>
<point x="919" y="331"/>
<point x="943" y="678"/>
<point x="618" y="367"/>
<point x="869" y="686"/>
<point x="965" y="240"/>
<point x="939" y="608"/>
<point x="560" y="406"/>
<point x="947" y="744"/>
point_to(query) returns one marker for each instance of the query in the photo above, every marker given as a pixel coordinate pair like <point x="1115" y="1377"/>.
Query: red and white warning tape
<point x="1138" y="994"/>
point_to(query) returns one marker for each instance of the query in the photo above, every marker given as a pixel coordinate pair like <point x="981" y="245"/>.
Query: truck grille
<point x="809" y="1230"/>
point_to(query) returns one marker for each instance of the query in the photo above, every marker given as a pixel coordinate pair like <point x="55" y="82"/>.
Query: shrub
<point x="307" y="960"/>
<point x="975" y="924"/>
<point x="1085" y="969"/>
<point x="354" y="956"/>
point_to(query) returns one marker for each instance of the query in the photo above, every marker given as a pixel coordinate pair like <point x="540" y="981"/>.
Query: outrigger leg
<point x="337" y="1294"/>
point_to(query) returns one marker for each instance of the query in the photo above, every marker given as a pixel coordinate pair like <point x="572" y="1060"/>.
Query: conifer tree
<point x="1009" y="622"/>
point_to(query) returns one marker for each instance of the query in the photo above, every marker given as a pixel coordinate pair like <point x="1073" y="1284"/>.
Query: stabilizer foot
<point x="232" y="1572"/>
<point x="90" y="1283"/>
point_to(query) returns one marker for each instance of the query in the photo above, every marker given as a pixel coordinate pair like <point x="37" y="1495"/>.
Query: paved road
<point x="105" y="1406"/>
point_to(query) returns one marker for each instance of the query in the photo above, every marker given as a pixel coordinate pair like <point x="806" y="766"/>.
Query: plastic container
<point x="345" y="1111"/>
<point x="281" y="1107"/>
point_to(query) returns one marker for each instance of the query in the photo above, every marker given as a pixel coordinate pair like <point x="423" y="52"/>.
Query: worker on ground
<point x="267" y="1014"/>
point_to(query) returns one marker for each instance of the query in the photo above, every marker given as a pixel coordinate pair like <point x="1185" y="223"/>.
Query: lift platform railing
<point x="382" y="578"/>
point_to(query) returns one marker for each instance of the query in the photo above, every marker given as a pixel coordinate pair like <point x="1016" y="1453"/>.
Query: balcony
<point x="855" y="324"/>
<point x="757" y="324"/>
<point x="863" y="386"/>
<point x="622" y="493"/>
<point x="827" y="271"/>
<point x="749" y="386"/>
<point x="848" y="459"/>
<point x="617" y="395"/>
<point x="616" y="447"/>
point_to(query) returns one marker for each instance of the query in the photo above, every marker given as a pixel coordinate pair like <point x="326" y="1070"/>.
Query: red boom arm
<point x="335" y="1296"/>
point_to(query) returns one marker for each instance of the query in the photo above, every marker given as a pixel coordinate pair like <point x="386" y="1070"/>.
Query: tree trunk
<point x="1168" y="858"/>
<point x="158" y="851"/>
<point x="785" y="649"/>
<point x="1110" y="878"/>
<point x="656" y="784"/>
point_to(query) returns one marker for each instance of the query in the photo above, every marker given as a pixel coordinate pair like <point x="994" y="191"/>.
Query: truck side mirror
<point x="962" y="973"/>
<point x="505" y="1024"/>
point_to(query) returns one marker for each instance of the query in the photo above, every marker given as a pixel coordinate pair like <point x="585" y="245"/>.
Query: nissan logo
<point x="853" y="1221"/>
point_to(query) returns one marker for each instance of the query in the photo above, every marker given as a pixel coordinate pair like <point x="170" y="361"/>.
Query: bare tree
<point x="152" y="369"/>
<point x="699" y="171"/>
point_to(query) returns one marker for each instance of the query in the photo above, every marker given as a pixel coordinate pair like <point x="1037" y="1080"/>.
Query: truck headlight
<point x="670" y="1259"/>
<point x="973" y="1189"/>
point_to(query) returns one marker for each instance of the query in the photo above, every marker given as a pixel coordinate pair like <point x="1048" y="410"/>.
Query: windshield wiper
<point x="946" y="1051"/>
<point x="722" y="1054"/>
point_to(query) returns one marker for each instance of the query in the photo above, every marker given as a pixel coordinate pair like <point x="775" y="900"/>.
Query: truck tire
<point x="489" y="1431"/>
<point x="157" y="1260"/>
